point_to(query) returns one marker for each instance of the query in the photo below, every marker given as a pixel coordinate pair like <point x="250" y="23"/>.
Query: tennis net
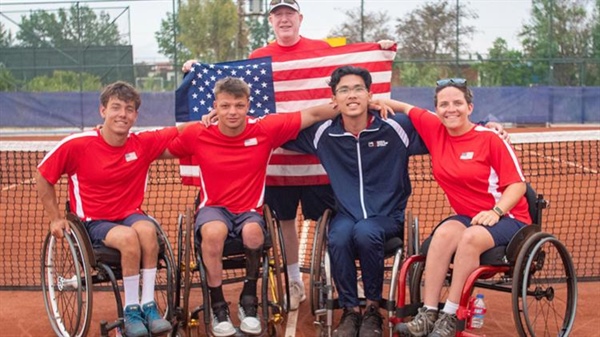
<point x="563" y="166"/>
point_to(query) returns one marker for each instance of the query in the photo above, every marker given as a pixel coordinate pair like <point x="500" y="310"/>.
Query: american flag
<point x="195" y="97"/>
<point x="300" y="80"/>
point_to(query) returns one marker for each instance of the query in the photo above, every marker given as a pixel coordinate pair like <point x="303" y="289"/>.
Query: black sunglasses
<point x="459" y="82"/>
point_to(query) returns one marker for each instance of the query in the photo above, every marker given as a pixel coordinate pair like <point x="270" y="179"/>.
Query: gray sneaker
<point x="421" y="325"/>
<point x="445" y="326"/>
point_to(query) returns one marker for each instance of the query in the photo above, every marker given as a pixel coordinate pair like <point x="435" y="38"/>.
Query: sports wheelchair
<point x="191" y="273"/>
<point x="72" y="266"/>
<point x="322" y="291"/>
<point x="535" y="267"/>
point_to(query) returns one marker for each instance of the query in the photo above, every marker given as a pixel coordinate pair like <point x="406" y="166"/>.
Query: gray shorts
<point x="234" y="222"/>
<point x="98" y="229"/>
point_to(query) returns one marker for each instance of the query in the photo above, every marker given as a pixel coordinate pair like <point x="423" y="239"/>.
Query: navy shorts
<point x="314" y="200"/>
<point x="98" y="229"/>
<point x="234" y="222"/>
<point x="501" y="232"/>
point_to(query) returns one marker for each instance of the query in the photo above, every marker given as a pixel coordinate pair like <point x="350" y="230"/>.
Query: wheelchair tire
<point x="318" y="295"/>
<point x="278" y="278"/>
<point x="67" y="283"/>
<point x="544" y="290"/>
<point x="417" y="285"/>
<point x="187" y="269"/>
<point x="165" y="275"/>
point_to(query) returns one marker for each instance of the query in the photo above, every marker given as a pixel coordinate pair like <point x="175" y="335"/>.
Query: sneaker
<point x="421" y="325"/>
<point x="248" y="315"/>
<point x="372" y="323"/>
<point x="155" y="322"/>
<point x="349" y="324"/>
<point x="445" y="326"/>
<point x="221" y="325"/>
<point x="134" y="321"/>
<point x="297" y="294"/>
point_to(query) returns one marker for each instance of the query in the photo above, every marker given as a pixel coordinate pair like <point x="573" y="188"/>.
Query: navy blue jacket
<point x="368" y="174"/>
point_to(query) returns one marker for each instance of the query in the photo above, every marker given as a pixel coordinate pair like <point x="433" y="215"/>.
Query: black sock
<point x="216" y="295"/>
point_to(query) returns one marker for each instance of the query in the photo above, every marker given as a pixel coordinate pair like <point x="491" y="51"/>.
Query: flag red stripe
<point x="301" y="95"/>
<point x="320" y="72"/>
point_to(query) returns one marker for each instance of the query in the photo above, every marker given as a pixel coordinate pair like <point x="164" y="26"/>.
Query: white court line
<point x="13" y="186"/>
<point x="290" y="329"/>
<point x="292" y="321"/>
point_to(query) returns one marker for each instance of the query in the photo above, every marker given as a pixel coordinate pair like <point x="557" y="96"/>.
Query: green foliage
<point x="504" y="67"/>
<point x="429" y="32"/>
<point x="204" y="29"/>
<point x="374" y="26"/>
<point x="65" y="81"/>
<point x="420" y="74"/>
<point x="6" y="38"/>
<point x="7" y="80"/>
<point x="77" y="26"/>
<point x="561" y="31"/>
<point x="260" y="32"/>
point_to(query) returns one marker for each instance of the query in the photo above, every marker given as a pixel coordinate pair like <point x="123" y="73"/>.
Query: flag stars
<point x="265" y="98"/>
<point x="263" y="84"/>
<point x="213" y="78"/>
<point x="256" y="78"/>
<point x="233" y="72"/>
<point x="194" y="95"/>
<point x="263" y="72"/>
<point x="257" y="92"/>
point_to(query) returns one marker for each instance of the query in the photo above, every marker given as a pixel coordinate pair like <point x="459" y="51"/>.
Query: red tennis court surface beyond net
<point x="562" y="166"/>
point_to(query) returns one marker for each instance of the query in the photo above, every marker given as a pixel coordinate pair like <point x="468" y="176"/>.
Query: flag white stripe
<point x="322" y="82"/>
<point x="333" y="60"/>
<point x="291" y="106"/>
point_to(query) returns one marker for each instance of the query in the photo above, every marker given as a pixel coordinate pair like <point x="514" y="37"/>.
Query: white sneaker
<point x="221" y="323"/>
<point x="249" y="321"/>
<point x="297" y="294"/>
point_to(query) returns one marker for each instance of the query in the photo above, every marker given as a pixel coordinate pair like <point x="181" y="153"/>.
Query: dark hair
<point x="121" y="90"/>
<point x="462" y="87"/>
<point x="233" y="86"/>
<point x="342" y="71"/>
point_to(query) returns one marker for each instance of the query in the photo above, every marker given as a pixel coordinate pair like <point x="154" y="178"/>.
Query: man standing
<point x="107" y="170"/>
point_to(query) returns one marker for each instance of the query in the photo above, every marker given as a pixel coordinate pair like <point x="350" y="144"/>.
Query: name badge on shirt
<point x="466" y="156"/>
<point x="251" y="142"/>
<point x="131" y="156"/>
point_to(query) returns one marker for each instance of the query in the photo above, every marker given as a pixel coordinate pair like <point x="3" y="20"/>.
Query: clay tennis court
<point x="572" y="214"/>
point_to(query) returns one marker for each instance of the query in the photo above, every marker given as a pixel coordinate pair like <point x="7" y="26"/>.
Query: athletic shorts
<point x="314" y="200"/>
<point x="234" y="222"/>
<point x="98" y="229"/>
<point x="501" y="232"/>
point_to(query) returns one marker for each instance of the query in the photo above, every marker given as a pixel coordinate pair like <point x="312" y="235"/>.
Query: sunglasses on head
<point x="459" y="82"/>
<point x="277" y="2"/>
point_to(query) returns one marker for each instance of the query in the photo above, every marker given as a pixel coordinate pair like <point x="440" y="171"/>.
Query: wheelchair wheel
<point x="278" y="278"/>
<point x="417" y="285"/>
<point x="544" y="291"/>
<point x="318" y="295"/>
<point x="67" y="283"/>
<point x="187" y="268"/>
<point x="163" y="289"/>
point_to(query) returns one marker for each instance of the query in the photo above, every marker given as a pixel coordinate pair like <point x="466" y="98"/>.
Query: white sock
<point x="148" y="280"/>
<point x="131" y="288"/>
<point x="294" y="273"/>
<point x="450" y="307"/>
<point x="429" y="307"/>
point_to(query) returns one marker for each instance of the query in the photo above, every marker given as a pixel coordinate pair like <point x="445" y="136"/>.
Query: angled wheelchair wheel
<point x="165" y="275"/>
<point x="278" y="278"/>
<point x="318" y="281"/>
<point x="67" y="283"/>
<point x="544" y="291"/>
<point x="187" y="267"/>
<point x="417" y="279"/>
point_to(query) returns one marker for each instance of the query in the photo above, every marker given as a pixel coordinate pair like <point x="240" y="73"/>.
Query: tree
<point x="7" y="81"/>
<point x="165" y="37"/>
<point x="6" y="39"/>
<point x="373" y="25"/>
<point x="504" y="67"/>
<point x="558" y="32"/>
<point x="260" y="32"/>
<point x="79" y="26"/>
<point x="65" y="81"/>
<point x="429" y="32"/>
<point x="208" y="29"/>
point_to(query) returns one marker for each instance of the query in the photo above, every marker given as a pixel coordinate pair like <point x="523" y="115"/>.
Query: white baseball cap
<point x="287" y="3"/>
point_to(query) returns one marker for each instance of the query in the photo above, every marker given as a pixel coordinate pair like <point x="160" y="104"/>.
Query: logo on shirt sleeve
<point x="131" y="156"/>
<point x="466" y="156"/>
<point x="251" y="142"/>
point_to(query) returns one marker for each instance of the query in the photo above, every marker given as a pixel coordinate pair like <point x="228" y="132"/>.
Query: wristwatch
<point x="498" y="211"/>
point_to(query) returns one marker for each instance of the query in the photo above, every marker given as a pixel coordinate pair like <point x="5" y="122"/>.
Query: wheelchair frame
<point x="274" y="278"/>
<point x="322" y="288"/>
<point x="71" y="267"/>
<point x="521" y="263"/>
